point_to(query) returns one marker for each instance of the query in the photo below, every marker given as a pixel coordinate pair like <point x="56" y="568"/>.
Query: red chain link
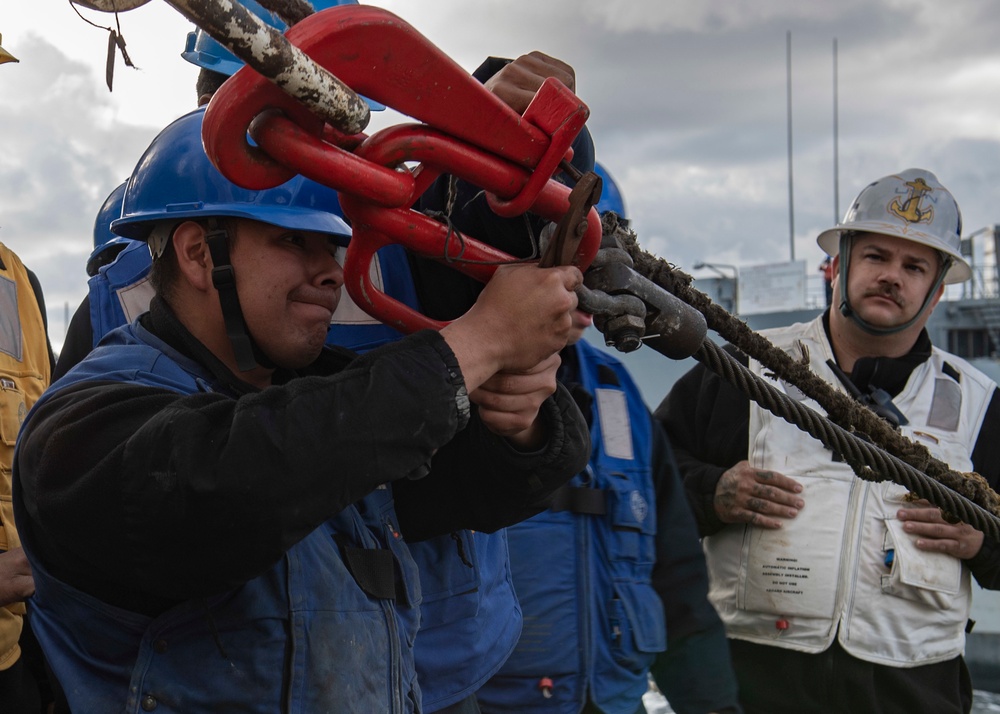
<point x="466" y="132"/>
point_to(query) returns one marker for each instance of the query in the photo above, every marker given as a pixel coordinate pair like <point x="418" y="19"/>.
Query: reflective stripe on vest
<point x="24" y="374"/>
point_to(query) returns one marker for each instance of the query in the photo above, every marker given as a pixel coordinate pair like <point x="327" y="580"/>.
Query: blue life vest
<point x="592" y="622"/>
<point x="120" y="291"/>
<point x="469" y="617"/>
<point x="302" y="637"/>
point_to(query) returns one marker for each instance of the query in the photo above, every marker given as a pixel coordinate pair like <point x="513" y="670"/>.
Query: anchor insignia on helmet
<point x="909" y="210"/>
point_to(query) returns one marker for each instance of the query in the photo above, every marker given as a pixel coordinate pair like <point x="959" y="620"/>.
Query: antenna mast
<point x="836" y="150"/>
<point x="791" y="196"/>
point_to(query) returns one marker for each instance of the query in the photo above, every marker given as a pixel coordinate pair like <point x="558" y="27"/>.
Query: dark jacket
<point x="188" y="495"/>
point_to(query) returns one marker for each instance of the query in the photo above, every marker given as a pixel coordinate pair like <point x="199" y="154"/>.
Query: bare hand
<point x="760" y="498"/>
<point x="509" y="402"/>
<point x="518" y="81"/>
<point x="16" y="582"/>
<point x="529" y="312"/>
<point x="522" y="317"/>
<point x="934" y="533"/>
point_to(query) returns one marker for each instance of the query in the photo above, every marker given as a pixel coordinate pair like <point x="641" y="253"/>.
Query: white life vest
<point x="844" y="567"/>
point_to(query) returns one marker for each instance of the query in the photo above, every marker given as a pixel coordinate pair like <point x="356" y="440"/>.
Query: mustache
<point x="886" y="290"/>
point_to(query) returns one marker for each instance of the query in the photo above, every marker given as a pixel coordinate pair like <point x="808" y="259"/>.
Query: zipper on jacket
<point x="857" y="511"/>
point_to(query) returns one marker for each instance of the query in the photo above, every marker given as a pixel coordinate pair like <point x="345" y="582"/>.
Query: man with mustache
<point x="856" y="595"/>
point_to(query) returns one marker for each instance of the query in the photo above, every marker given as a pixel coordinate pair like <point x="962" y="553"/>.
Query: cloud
<point x="63" y="151"/>
<point x="687" y="99"/>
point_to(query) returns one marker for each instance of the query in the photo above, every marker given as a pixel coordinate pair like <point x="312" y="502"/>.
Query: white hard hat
<point x="912" y="205"/>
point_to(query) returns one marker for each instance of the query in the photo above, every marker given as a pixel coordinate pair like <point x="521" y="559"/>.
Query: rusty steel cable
<point x="269" y="52"/>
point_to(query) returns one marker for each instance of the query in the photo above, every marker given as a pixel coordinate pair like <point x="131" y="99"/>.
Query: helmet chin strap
<point x="846" y="239"/>
<point x="248" y="354"/>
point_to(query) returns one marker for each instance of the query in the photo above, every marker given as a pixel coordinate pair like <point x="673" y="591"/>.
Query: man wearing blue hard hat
<point x="611" y="577"/>
<point x="205" y="496"/>
<point x="118" y="286"/>
<point x="470" y="617"/>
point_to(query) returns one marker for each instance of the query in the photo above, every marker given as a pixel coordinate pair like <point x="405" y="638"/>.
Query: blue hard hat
<point x="109" y="211"/>
<point x="175" y="180"/>
<point x="106" y="253"/>
<point x="611" y="195"/>
<point x="205" y="51"/>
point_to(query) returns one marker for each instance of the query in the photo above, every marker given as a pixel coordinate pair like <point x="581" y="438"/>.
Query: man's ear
<point x="193" y="257"/>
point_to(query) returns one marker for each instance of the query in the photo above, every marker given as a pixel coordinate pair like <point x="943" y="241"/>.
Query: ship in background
<point x="966" y="323"/>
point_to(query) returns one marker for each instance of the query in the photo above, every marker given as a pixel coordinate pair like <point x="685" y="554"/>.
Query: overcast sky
<point x="687" y="98"/>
